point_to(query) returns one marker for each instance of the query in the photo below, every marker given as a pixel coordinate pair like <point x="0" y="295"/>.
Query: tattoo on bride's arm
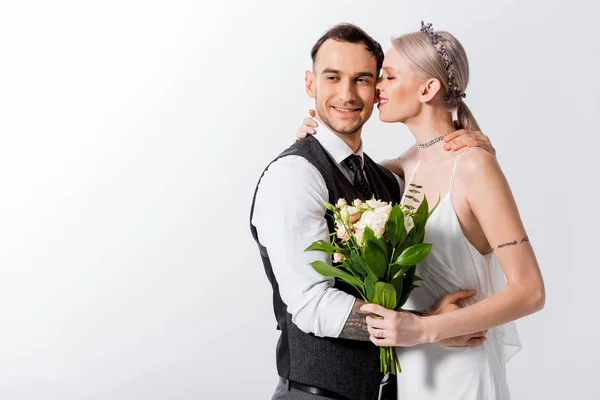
<point x="514" y="243"/>
<point x="356" y="324"/>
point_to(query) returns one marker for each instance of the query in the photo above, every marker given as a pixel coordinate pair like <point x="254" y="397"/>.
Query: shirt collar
<point x="335" y="146"/>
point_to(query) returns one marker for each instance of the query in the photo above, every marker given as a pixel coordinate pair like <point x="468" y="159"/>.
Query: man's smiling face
<point x="343" y="85"/>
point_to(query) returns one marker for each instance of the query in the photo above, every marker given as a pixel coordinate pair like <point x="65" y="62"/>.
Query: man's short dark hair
<point x="350" y="33"/>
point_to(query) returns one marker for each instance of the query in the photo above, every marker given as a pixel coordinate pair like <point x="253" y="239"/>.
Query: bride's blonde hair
<point x="427" y="62"/>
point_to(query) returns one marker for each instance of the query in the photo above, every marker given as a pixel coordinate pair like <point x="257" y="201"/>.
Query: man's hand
<point x="394" y="328"/>
<point x="449" y="303"/>
<point x="403" y="328"/>
<point x="463" y="138"/>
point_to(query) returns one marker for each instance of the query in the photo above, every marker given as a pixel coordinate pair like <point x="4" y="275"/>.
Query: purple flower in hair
<point x="453" y="93"/>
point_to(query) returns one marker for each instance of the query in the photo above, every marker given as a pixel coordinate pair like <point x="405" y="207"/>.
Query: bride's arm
<point x="402" y="163"/>
<point x="493" y="204"/>
<point x="395" y="166"/>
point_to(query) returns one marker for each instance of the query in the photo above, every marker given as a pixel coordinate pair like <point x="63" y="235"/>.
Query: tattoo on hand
<point x="514" y="243"/>
<point x="356" y="324"/>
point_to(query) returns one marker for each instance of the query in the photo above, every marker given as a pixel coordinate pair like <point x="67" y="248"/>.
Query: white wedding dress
<point x="434" y="372"/>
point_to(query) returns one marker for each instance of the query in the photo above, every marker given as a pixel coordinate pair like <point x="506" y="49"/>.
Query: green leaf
<point x="408" y="242"/>
<point x="402" y="278"/>
<point x="358" y="263"/>
<point x="322" y="245"/>
<point x="375" y="260"/>
<point x="328" y="270"/>
<point x="396" y="232"/>
<point x="419" y="234"/>
<point x="406" y="295"/>
<point x="407" y="283"/>
<point x="354" y="263"/>
<point x="409" y="276"/>
<point x="370" y="282"/>
<point x="414" y="254"/>
<point x="394" y="268"/>
<point x="422" y="212"/>
<point x="401" y="271"/>
<point x="384" y="294"/>
<point x="369" y="237"/>
<point x="347" y="264"/>
<point x="398" y="283"/>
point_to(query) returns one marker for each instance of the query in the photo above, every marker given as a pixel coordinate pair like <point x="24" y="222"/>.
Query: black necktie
<point x="354" y="163"/>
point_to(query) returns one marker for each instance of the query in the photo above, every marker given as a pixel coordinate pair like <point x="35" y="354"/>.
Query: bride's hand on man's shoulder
<point x="460" y="138"/>
<point x="308" y="126"/>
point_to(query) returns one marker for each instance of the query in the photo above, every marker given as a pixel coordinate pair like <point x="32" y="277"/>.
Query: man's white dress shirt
<point x="289" y="214"/>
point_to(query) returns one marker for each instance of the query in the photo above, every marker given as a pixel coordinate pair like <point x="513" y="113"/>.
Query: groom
<point x="324" y="350"/>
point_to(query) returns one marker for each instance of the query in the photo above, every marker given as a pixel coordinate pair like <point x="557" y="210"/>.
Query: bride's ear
<point x="428" y="90"/>
<point x="309" y="84"/>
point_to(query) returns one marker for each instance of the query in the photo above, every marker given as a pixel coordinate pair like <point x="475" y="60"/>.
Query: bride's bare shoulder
<point x="401" y="163"/>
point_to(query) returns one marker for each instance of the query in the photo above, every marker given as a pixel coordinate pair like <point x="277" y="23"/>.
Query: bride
<point x="478" y="238"/>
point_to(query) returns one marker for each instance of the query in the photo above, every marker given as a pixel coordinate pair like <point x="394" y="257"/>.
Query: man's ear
<point x="429" y="89"/>
<point x="309" y="84"/>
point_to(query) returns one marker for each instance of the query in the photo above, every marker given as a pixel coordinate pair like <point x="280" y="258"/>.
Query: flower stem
<point x="390" y="264"/>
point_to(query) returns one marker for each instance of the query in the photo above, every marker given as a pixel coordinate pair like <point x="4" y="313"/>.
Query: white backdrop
<point x="133" y="134"/>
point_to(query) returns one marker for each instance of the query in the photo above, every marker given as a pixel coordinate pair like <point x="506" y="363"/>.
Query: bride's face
<point x="398" y="90"/>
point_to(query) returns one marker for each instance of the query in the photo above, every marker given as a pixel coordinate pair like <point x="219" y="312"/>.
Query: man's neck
<point x="353" y="140"/>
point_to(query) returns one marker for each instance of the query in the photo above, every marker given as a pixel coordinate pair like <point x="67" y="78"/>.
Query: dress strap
<point x="456" y="164"/>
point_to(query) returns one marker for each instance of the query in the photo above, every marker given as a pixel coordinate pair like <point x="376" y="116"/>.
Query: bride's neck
<point x="428" y="127"/>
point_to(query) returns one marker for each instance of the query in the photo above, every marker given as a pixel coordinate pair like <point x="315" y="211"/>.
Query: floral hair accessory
<point x="453" y="94"/>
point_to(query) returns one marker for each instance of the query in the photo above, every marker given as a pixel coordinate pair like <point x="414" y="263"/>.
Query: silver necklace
<point x="431" y="142"/>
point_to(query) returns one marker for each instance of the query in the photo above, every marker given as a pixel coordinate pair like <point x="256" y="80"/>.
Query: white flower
<point x="375" y="221"/>
<point x="359" y="232"/>
<point x="338" y="257"/>
<point x="353" y="214"/>
<point x="384" y="209"/>
<point x="341" y="202"/>
<point x="357" y="202"/>
<point x="374" y="204"/>
<point x="379" y="230"/>
<point x="344" y="213"/>
<point x="342" y="233"/>
<point x="408" y="223"/>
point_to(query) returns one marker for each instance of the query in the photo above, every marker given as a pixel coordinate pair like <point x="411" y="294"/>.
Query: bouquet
<point x="375" y="248"/>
